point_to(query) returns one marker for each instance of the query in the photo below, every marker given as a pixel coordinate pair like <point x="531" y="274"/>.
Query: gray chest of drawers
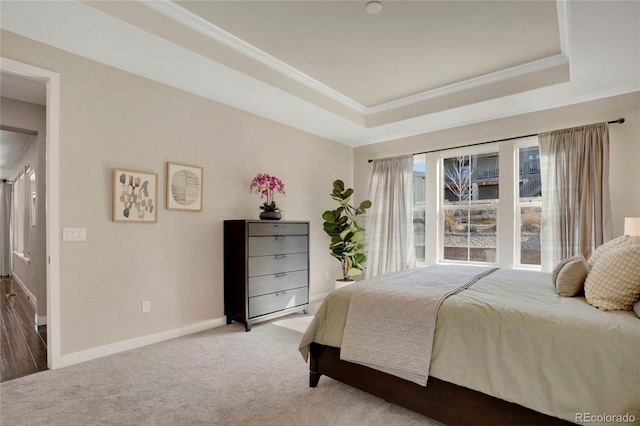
<point x="266" y="269"/>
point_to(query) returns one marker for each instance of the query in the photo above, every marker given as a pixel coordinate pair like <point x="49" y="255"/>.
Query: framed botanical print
<point x="184" y="187"/>
<point x="135" y="196"/>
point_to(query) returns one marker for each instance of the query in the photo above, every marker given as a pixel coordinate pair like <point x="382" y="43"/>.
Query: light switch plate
<point x="74" y="234"/>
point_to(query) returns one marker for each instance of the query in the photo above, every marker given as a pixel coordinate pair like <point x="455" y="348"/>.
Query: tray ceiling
<point x="329" y="68"/>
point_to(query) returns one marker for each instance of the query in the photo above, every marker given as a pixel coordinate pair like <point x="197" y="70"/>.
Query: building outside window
<point x="470" y="186"/>
<point x="419" y="203"/>
<point x="529" y="204"/>
<point x="457" y="199"/>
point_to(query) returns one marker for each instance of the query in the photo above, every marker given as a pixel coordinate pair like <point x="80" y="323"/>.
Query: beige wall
<point x="625" y="145"/>
<point x="32" y="274"/>
<point x="111" y="118"/>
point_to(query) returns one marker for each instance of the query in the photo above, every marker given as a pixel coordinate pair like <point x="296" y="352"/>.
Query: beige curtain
<point x="389" y="223"/>
<point x="576" y="209"/>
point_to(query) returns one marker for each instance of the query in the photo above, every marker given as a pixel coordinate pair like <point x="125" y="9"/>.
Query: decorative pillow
<point x="556" y="270"/>
<point x="569" y="280"/>
<point x="614" y="281"/>
<point x="636" y="308"/>
<point x="624" y="241"/>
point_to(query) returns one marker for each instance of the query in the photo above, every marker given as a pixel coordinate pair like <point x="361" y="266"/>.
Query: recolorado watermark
<point x="604" y="418"/>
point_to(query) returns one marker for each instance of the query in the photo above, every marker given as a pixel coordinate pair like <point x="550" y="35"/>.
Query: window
<point x="470" y="194"/>
<point x="18" y="214"/>
<point x="419" y="198"/>
<point x="479" y="204"/>
<point x="20" y="221"/>
<point x="529" y="205"/>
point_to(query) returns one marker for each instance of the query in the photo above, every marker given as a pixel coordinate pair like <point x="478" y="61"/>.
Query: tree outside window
<point x="470" y="199"/>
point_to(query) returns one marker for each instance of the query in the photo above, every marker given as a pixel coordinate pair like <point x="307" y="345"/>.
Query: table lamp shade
<point x="632" y="226"/>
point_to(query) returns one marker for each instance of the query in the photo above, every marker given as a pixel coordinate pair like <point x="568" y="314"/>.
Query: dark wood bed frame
<point x="440" y="400"/>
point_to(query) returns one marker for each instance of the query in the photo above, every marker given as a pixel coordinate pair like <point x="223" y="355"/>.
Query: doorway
<point x="49" y="213"/>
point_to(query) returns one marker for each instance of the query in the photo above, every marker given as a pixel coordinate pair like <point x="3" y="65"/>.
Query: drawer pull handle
<point x="281" y="274"/>
<point x="281" y="292"/>
<point x="279" y="237"/>
<point x="280" y="256"/>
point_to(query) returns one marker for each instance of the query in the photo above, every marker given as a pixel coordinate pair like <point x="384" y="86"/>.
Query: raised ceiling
<point x="331" y="69"/>
<point x="409" y="47"/>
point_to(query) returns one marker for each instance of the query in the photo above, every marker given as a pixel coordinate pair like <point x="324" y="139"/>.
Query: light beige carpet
<point x="224" y="376"/>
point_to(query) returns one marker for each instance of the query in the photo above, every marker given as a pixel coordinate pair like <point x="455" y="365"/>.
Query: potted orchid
<point x="267" y="185"/>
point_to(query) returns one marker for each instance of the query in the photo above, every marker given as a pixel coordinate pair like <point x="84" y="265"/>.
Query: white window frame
<point x="508" y="206"/>
<point x="18" y="214"/>
<point x="523" y="143"/>
<point x="465" y="152"/>
<point x="418" y="159"/>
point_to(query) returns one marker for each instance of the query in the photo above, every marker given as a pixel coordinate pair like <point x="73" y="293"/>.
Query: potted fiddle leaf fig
<point x="346" y="230"/>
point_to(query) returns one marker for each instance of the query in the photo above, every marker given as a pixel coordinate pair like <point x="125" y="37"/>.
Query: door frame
<point x="52" y="258"/>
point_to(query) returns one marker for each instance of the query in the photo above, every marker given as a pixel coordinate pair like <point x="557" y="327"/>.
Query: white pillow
<point x="614" y="281"/>
<point x="623" y="241"/>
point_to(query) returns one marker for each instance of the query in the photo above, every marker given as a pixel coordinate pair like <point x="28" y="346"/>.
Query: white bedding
<point x="391" y="321"/>
<point x="511" y="336"/>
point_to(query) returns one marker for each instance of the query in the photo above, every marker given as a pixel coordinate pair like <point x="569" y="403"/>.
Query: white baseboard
<point x="114" y="348"/>
<point x="32" y="299"/>
<point x="318" y="297"/>
<point x="101" y="351"/>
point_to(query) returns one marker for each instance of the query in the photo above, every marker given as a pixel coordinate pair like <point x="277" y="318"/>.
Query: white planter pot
<point x="341" y="283"/>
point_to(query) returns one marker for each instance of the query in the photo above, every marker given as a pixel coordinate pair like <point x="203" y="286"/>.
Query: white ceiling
<point x="329" y="68"/>
<point x="23" y="89"/>
<point x="407" y="48"/>
<point x="12" y="143"/>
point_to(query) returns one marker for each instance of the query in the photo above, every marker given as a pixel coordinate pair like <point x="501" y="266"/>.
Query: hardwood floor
<point x="23" y="348"/>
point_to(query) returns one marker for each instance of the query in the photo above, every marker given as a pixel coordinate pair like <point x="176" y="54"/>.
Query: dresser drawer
<point x="267" y="265"/>
<point x="279" y="244"/>
<point x="262" y="229"/>
<point x="277" y="282"/>
<point x="273" y="302"/>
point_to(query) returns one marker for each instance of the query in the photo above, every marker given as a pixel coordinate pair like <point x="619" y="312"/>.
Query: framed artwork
<point x="135" y="196"/>
<point x="184" y="187"/>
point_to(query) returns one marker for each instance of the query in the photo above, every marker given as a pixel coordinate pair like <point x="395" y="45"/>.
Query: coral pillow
<point x="614" y="281"/>
<point x="569" y="275"/>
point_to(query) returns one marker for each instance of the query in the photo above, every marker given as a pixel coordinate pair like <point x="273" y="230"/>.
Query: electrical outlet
<point x="146" y="306"/>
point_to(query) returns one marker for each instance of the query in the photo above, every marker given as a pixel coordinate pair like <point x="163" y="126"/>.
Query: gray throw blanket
<point x="391" y="322"/>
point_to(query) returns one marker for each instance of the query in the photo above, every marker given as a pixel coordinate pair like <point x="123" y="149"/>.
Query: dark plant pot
<point x="270" y="215"/>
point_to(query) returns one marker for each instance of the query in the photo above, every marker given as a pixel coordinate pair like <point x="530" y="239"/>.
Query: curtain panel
<point x="389" y="223"/>
<point x="576" y="207"/>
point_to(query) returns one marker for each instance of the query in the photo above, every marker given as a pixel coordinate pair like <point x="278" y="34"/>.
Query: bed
<point x="506" y="350"/>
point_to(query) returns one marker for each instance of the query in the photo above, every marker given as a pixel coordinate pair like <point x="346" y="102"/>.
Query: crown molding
<point x="564" y="27"/>
<point x="85" y="31"/>
<point x="179" y="14"/>
<point x="483" y="80"/>
<point x="206" y="28"/>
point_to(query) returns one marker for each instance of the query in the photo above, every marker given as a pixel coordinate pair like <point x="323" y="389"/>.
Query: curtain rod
<point x="618" y="121"/>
